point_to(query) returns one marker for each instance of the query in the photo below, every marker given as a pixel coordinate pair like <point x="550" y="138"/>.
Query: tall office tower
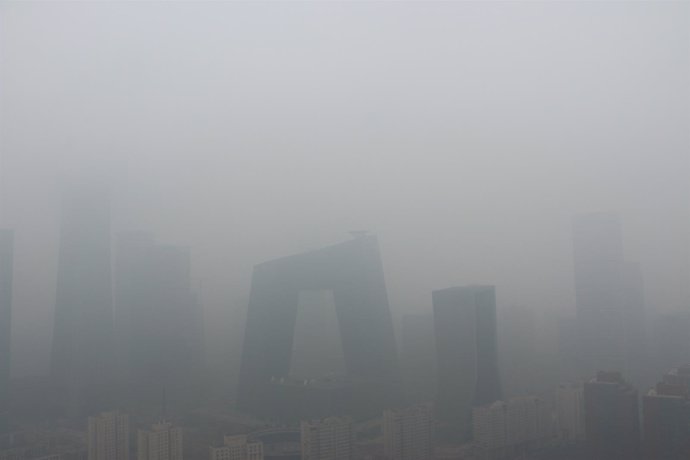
<point x="612" y="425"/>
<point x="108" y="437"/>
<point x="570" y="412"/>
<point x="162" y="442"/>
<point x="418" y="357"/>
<point x="328" y="439"/>
<point x="354" y="273"/>
<point x="609" y="297"/>
<point x="159" y="321"/>
<point x="82" y="355"/>
<point x="467" y="361"/>
<point x="238" y="448"/>
<point x="408" y="433"/>
<point x="6" y="256"/>
<point x="130" y="294"/>
<point x="666" y="417"/>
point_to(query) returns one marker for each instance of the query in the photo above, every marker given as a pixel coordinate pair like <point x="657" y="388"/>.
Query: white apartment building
<point x="108" y="436"/>
<point x="570" y="412"/>
<point x="162" y="442"/>
<point x="237" y="448"/>
<point x="408" y="433"/>
<point x="328" y="439"/>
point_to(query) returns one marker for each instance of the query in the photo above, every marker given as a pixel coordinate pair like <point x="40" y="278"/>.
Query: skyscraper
<point x="408" y="433"/>
<point x="353" y="271"/>
<point x="467" y="356"/>
<point x="108" y="437"/>
<point x="612" y="425"/>
<point x="418" y="357"/>
<point x="6" y="256"/>
<point x="162" y="442"/>
<point x="82" y="355"/>
<point x="331" y="438"/>
<point x="609" y="297"/>
<point x="666" y="416"/>
<point x="159" y="321"/>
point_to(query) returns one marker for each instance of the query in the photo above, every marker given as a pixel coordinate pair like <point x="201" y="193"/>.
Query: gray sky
<point x="465" y="135"/>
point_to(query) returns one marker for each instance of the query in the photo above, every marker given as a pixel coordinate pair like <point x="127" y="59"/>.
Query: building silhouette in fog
<point x="408" y="434"/>
<point x="162" y="442"/>
<point x="82" y="354"/>
<point x="331" y="438"/>
<point x="612" y="425"/>
<point x="609" y="298"/>
<point x="666" y="416"/>
<point x="570" y="412"/>
<point x="237" y="448"/>
<point x="353" y="271"/>
<point x="108" y="437"/>
<point x="467" y="355"/>
<point x="6" y="264"/>
<point x="159" y="322"/>
<point x="418" y="357"/>
<point x="506" y="429"/>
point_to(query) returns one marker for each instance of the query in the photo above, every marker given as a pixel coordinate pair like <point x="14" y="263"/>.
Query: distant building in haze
<point x="82" y="354"/>
<point x="467" y="361"/>
<point x="354" y="273"/>
<point x="504" y="429"/>
<point x="237" y="448"/>
<point x="162" y="442"/>
<point x="408" y="433"/>
<point x="666" y="417"/>
<point x="6" y="263"/>
<point x="108" y="437"/>
<point x="418" y="357"/>
<point x="612" y="425"/>
<point x="570" y="412"/>
<point x="159" y="322"/>
<point x="609" y="298"/>
<point x="331" y="438"/>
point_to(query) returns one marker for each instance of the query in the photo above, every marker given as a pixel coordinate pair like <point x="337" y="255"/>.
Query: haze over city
<point x="465" y="139"/>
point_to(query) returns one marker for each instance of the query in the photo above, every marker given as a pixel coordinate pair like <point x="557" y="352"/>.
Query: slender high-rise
<point x="467" y="355"/>
<point x="159" y="324"/>
<point x="82" y="355"/>
<point x="609" y="297"/>
<point x="418" y="357"/>
<point x="6" y="256"/>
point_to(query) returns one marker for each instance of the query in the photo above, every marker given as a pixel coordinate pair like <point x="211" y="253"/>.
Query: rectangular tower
<point x="609" y="298"/>
<point x="331" y="438"/>
<point x="6" y="257"/>
<point x="467" y="355"/>
<point x="159" y="321"/>
<point x="408" y="433"/>
<point x="612" y="425"/>
<point x="418" y="357"/>
<point x="108" y="437"/>
<point x="82" y="355"/>
<point x="162" y="442"/>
